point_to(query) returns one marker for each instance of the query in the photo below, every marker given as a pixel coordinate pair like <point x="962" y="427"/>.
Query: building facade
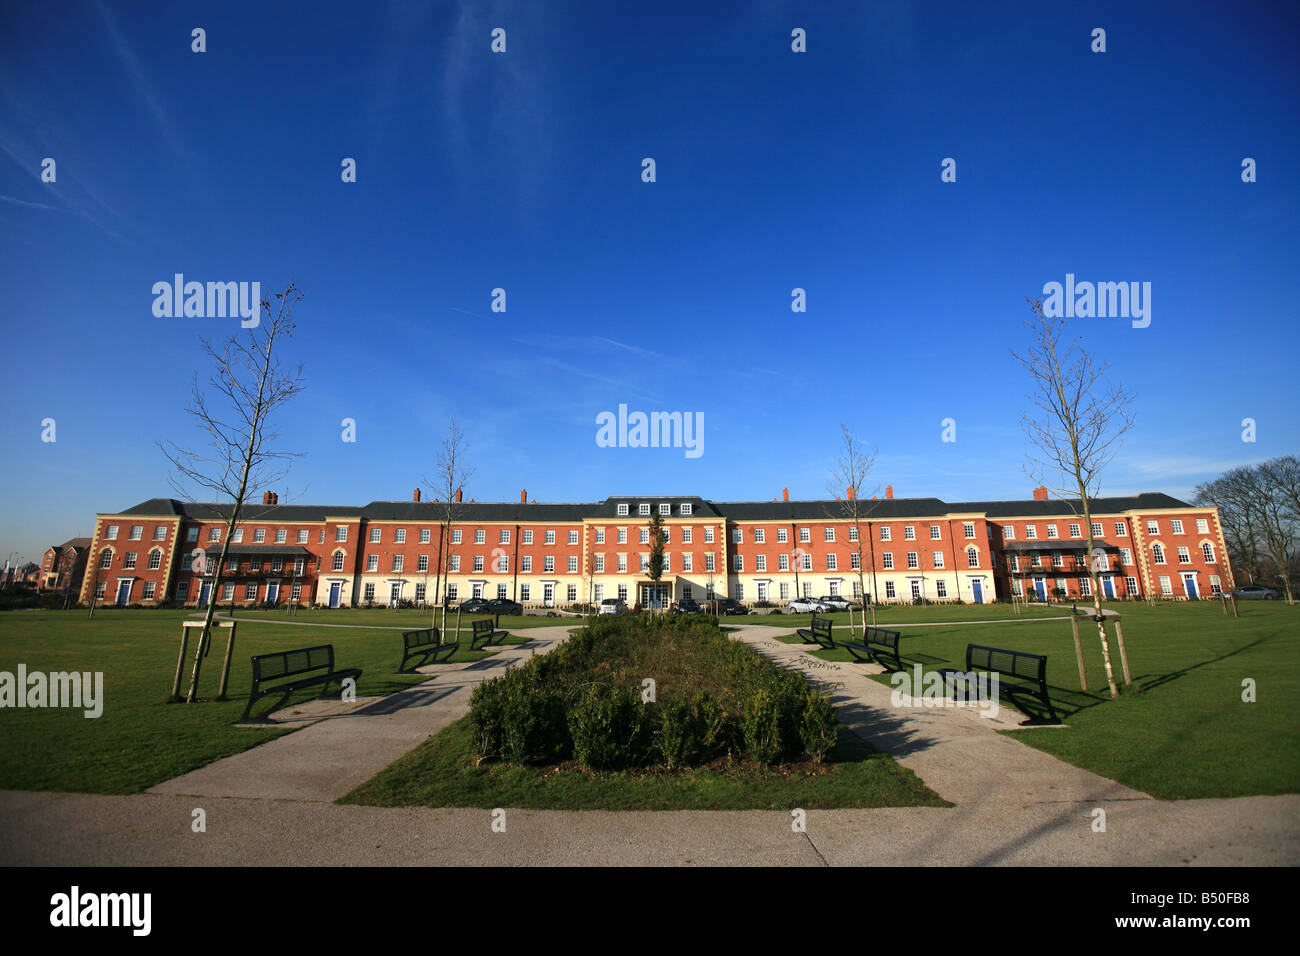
<point x="556" y="555"/>
<point x="63" y="566"/>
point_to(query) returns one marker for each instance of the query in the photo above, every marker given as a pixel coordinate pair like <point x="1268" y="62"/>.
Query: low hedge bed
<point x="634" y="691"/>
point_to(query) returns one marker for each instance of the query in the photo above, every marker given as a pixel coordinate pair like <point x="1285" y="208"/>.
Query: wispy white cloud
<point x="24" y="202"/>
<point x="143" y="85"/>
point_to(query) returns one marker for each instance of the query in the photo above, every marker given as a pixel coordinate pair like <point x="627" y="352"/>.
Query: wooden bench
<point x="294" y="664"/>
<point x="485" y="634"/>
<point x="878" y="642"/>
<point x="1014" y="664"/>
<point x="818" y="632"/>
<point x="427" y="645"/>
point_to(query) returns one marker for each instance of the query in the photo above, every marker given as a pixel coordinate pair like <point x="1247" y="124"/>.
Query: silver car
<point x="805" y="605"/>
<point x="1255" y="592"/>
<point x="613" y="606"/>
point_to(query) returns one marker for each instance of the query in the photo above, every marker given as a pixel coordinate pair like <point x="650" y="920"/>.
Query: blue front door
<point x="123" y="592"/>
<point x="335" y="590"/>
<point x="977" y="589"/>
<point x="273" y="593"/>
<point x="205" y="594"/>
<point x="1041" y="588"/>
<point x="1108" y="587"/>
<point x="1190" y="583"/>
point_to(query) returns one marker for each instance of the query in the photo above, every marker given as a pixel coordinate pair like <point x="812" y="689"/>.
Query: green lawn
<point x="1184" y="733"/>
<point x="140" y="740"/>
<point x="441" y="772"/>
<point x="1182" y="730"/>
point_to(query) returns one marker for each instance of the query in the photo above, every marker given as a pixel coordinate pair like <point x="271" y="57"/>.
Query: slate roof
<point x="879" y="509"/>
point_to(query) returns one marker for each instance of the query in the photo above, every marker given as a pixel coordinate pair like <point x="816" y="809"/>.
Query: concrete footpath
<point x="1013" y="804"/>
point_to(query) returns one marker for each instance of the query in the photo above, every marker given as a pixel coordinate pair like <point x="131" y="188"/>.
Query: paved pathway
<point x="1014" y="804"/>
<point x="336" y="755"/>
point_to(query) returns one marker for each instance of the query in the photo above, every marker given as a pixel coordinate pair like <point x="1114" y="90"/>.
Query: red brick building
<point x="63" y="566"/>
<point x="552" y="555"/>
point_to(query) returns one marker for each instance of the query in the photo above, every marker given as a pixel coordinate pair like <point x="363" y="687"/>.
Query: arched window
<point x="1207" y="551"/>
<point x="338" y="560"/>
<point x="972" y="558"/>
<point x="106" y="558"/>
<point x="1158" y="553"/>
<point x="155" y="559"/>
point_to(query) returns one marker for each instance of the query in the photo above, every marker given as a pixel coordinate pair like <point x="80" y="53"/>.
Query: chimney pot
<point x="889" y="491"/>
<point x="415" y="495"/>
<point x="1040" y="493"/>
<point x="785" y="494"/>
<point x="523" y="496"/>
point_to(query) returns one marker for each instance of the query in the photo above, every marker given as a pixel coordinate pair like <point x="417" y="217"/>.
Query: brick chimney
<point x="268" y="498"/>
<point x="889" y="491"/>
<point x="785" y="494"/>
<point x="415" y="495"/>
<point x="523" y="496"/>
<point x="459" y="494"/>
<point x="1040" y="493"/>
<point x="849" y="492"/>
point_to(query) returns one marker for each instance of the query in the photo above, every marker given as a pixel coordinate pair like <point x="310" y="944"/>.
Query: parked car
<point x="613" y="606"/>
<point x="1255" y="592"/>
<point x="687" y="606"/>
<point x="836" y="602"/>
<point x="501" y="606"/>
<point x="473" y="606"/>
<point x="731" y="606"/>
<point x="805" y="605"/>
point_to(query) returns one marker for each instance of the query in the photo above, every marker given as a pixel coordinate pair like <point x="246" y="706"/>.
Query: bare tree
<point x="590" y="570"/>
<point x="1267" y="485"/>
<point x="241" y="456"/>
<point x="655" y="563"/>
<point x="448" y="486"/>
<point x="1075" y="427"/>
<point x="1238" y="517"/>
<point x="1259" y="511"/>
<point x="847" y="484"/>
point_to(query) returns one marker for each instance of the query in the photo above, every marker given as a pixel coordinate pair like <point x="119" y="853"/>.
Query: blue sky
<point x="522" y="170"/>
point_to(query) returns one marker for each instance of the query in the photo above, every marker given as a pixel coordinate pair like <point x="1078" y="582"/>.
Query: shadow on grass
<point x="1161" y="679"/>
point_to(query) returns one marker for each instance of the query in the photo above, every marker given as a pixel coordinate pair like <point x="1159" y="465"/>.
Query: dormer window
<point x="685" y="509"/>
<point x="622" y="511"/>
<point x="665" y="509"/>
<point x="644" y="509"/>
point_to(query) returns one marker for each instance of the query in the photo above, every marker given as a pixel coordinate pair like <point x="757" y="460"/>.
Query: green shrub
<point x="717" y="697"/>
<point x="691" y="731"/>
<point x="762" y="727"/>
<point x="818" y="726"/>
<point x="487" y="712"/>
<point x="608" y="727"/>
